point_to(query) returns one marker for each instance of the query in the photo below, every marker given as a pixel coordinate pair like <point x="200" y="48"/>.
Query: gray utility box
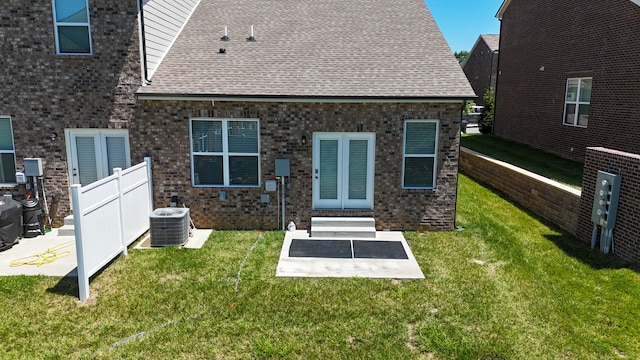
<point x="169" y="226"/>
<point x="605" y="200"/>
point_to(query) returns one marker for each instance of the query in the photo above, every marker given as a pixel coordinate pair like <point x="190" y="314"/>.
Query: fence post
<point x="83" y="277"/>
<point x="123" y="241"/>
<point x="147" y="160"/>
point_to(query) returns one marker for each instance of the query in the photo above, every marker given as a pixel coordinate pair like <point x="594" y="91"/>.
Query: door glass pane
<point x="86" y="152"/>
<point x="71" y="11"/>
<point x="116" y="153"/>
<point x="328" y="169"/>
<point x="243" y="170"/>
<point x="7" y="168"/>
<point x="358" y="169"/>
<point x="243" y="137"/>
<point x="208" y="170"/>
<point x="206" y="136"/>
<point x="418" y="172"/>
<point x="6" y="142"/>
<point x="420" y="138"/>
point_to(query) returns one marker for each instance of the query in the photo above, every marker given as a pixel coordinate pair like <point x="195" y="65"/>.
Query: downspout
<point x="143" y="44"/>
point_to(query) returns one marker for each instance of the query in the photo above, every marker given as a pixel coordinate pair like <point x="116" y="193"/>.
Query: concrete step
<point x="354" y="232"/>
<point x="66" y="230"/>
<point x="343" y="227"/>
<point x="343" y="221"/>
<point x="68" y="220"/>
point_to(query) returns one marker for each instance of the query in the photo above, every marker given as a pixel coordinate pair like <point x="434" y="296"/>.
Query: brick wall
<point x="626" y="236"/>
<point x="545" y="42"/>
<point x="45" y="93"/>
<point x="161" y="130"/>
<point x="552" y="201"/>
<point x="480" y="69"/>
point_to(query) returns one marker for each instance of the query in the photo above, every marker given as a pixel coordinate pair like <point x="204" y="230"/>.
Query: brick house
<point x="481" y="67"/>
<point x="365" y="105"/>
<point x="568" y="75"/>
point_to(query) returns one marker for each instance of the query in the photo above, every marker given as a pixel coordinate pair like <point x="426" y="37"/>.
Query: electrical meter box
<point x="33" y="167"/>
<point x="605" y="200"/>
<point x="282" y="167"/>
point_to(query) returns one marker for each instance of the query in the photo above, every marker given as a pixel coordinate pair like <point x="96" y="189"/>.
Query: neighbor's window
<point x="71" y="22"/>
<point x="225" y="152"/>
<point x="420" y="154"/>
<point x="7" y="153"/>
<point x="577" y="99"/>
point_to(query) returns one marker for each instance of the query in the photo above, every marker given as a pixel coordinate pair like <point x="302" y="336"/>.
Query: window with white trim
<point x="419" y="154"/>
<point x="71" y="27"/>
<point x="577" y="102"/>
<point x="225" y="152"/>
<point x="7" y="153"/>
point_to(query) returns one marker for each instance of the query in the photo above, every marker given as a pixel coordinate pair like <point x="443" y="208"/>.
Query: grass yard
<point x="507" y="287"/>
<point x="537" y="161"/>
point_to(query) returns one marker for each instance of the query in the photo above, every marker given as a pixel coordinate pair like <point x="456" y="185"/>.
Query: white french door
<point x="343" y="170"/>
<point x="93" y="153"/>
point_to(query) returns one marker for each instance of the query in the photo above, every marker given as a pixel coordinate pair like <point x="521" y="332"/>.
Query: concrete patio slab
<point x="196" y="241"/>
<point x="289" y="266"/>
<point x="56" y="253"/>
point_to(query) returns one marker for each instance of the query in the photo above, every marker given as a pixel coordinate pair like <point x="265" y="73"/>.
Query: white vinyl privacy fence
<point x="108" y="216"/>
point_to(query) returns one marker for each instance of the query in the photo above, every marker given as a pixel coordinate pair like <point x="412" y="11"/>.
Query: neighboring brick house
<point x="569" y="75"/>
<point x="481" y="67"/>
<point x="362" y="97"/>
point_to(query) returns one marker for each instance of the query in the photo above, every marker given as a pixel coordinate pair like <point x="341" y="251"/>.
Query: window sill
<point x="576" y="126"/>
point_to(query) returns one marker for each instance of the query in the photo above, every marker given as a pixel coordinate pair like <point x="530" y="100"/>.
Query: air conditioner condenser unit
<point x="169" y="226"/>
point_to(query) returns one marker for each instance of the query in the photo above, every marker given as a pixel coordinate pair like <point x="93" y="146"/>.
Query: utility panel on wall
<point x="605" y="200"/>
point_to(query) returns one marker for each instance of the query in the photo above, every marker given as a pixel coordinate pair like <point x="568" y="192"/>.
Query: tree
<point x="485" y="121"/>
<point x="461" y="55"/>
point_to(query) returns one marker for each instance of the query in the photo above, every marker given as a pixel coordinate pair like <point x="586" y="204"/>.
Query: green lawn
<point x="537" y="161"/>
<point x="507" y="287"/>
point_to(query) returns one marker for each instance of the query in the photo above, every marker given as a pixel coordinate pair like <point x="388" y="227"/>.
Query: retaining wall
<point x="552" y="201"/>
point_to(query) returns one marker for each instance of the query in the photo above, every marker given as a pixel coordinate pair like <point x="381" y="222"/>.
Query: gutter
<point x="301" y="99"/>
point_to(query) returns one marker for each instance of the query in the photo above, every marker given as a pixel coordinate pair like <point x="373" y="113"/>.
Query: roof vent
<point x="251" y="38"/>
<point x="225" y="37"/>
<point x="222" y="51"/>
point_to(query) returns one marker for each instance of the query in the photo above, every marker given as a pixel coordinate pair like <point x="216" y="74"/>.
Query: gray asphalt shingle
<point x="311" y="48"/>
<point x="492" y="41"/>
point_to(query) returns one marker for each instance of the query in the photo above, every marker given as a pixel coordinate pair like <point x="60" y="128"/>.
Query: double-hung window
<point x="225" y="152"/>
<point x="72" y="30"/>
<point x="577" y="101"/>
<point x="7" y="153"/>
<point x="420" y="154"/>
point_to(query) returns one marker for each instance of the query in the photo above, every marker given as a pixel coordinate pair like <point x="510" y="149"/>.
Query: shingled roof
<point x="311" y="48"/>
<point x="492" y="41"/>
